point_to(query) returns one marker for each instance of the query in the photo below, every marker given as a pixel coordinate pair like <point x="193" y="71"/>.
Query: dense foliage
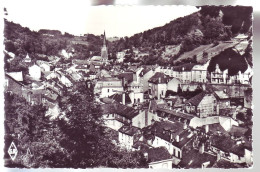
<point x="79" y="140"/>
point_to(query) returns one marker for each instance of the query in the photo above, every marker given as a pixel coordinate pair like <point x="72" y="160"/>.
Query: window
<point x="108" y="90"/>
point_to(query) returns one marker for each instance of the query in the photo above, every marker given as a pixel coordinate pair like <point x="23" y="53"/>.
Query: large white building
<point x="108" y="86"/>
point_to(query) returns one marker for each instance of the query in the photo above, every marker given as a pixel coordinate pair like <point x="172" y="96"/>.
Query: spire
<point x="104" y="39"/>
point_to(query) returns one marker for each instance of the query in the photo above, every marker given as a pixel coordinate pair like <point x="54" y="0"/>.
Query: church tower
<point x="104" y="53"/>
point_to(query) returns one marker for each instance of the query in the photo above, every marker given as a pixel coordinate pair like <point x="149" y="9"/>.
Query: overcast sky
<point x="78" y="17"/>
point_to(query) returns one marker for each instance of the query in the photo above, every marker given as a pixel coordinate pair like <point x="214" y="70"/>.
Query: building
<point x="106" y="87"/>
<point x="27" y="59"/>
<point x="223" y="101"/>
<point x="158" y="85"/>
<point x="199" y="73"/>
<point x="202" y="105"/>
<point x="159" y="158"/>
<point x="128" y="135"/>
<point x="35" y="72"/>
<point x="174" y="136"/>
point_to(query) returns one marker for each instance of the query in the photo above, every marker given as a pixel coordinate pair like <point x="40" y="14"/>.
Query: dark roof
<point x="184" y="67"/>
<point x="159" y="78"/>
<point x="226" y="144"/>
<point x="174" y="113"/>
<point x="119" y="109"/>
<point x="237" y="131"/>
<point x="184" y="137"/>
<point x="163" y="130"/>
<point x="217" y="128"/>
<point x="129" y="130"/>
<point x="158" y="154"/>
<point x="193" y="159"/>
<point x="119" y="97"/>
<point x="128" y="76"/>
<point x="196" y="99"/>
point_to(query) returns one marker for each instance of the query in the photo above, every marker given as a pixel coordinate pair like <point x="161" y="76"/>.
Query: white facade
<point x="125" y="140"/>
<point x="173" y="85"/>
<point x="199" y="73"/>
<point x="35" y="72"/>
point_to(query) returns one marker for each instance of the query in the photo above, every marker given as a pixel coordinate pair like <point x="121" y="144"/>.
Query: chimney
<point x="185" y="126"/>
<point x="159" y="80"/>
<point x="123" y="98"/>
<point x="206" y="128"/>
<point x="201" y="149"/>
<point x="177" y="138"/>
<point x="146" y="156"/>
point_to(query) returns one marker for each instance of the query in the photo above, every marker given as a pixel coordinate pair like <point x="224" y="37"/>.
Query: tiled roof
<point x="226" y="144"/>
<point x="159" y="78"/>
<point x="196" y="99"/>
<point x="119" y="96"/>
<point x="193" y="159"/>
<point x="174" y="113"/>
<point x="129" y="130"/>
<point x="158" y="154"/>
<point x="128" y="76"/>
<point x="163" y="130"/>
<point x="119" y="109"/>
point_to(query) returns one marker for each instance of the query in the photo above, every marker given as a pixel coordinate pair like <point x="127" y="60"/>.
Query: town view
<point x="174" y="96"/>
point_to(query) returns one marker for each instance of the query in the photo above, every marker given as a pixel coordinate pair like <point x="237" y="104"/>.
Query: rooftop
<point x="159" y="78"/>
<point x="129" y="130"/>
<point x="158" y="154"/>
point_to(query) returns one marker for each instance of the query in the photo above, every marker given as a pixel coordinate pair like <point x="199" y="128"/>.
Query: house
<point x="35" y="72"/>
<point x="199" y="73"/>
<point x="145" y="74"/>
<point x="116" y="115"/>
<point x="158" y="85"/>
<point x="202" y="105"/>
<point x="181" y="72"/>
<point x="128" y="135"/>
<point x="159" y="158"/>
<point x="27" y="59"/>
<point x="173" y="85"/>
<point x="136" y="94"/>
<point x="230" y="149"/>
<point x="223" y="100"/>
<point x="172" y="135"/>
<point x="108" y="86"/>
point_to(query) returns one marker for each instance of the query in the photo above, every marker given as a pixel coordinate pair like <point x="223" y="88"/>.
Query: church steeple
<point x="104" y="39"/>
<point x="104" y="53"/>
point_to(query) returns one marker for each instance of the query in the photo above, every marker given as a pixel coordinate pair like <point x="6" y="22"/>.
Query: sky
<point x="78" y="17"/>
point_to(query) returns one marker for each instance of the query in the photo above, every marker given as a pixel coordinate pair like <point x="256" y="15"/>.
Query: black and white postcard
<point x="159" y="87"/>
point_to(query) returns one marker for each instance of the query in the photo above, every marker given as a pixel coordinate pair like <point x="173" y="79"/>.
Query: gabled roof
<point x="159" y="78"/>
<point x="196" y="99"/>
<point x="18" y="76"/>
<point x="163" y="130"/>
<point x="158" y="154"/>
<point x="118" y="97"/>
